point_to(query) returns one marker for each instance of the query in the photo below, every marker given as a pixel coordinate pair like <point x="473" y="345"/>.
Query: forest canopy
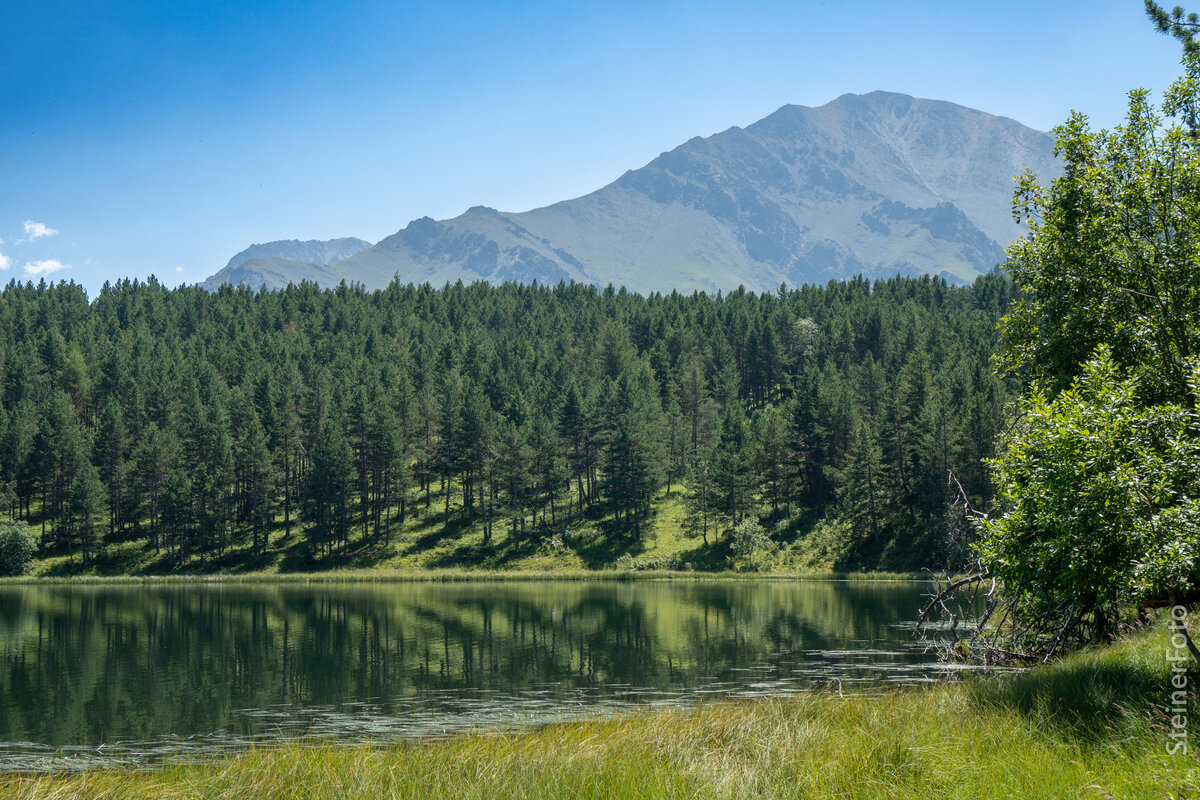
<point x="212" y="426"/>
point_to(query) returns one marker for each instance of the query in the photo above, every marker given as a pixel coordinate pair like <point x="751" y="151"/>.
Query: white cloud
<point x="179" y="269"/>
<point x="5" y="261"/>
<point x="36" y="230"/>
<point x="45" y="267"/>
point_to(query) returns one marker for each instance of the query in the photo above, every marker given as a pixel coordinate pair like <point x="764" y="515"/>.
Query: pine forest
<point x="164" y="430"/>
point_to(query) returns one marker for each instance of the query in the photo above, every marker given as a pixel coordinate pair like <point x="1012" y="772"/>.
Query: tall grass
<point x="1086" y="727"/>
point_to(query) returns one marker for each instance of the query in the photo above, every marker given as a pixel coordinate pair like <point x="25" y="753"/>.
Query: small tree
<point x="1098" y="475"/>
<point x="18" y="543"/>
<point x="752" y="547"/>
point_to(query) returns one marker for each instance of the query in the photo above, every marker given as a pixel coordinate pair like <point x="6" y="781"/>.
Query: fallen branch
<point x="941" y="596"/>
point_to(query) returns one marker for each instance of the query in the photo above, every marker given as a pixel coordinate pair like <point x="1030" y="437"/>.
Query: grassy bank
<point x="428" y="546"/>
<point x="1090" y="726"/>
<point x="451" y="575"/>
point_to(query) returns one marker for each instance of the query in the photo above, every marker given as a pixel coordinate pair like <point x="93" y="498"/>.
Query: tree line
<point x="206" y="423"/>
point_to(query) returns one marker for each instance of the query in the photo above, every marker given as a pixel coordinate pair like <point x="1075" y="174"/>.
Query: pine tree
<point x="771" y="458"/>
<point x="733" y="476"/>
<point x="634" y="453"/>
<point x="86" y="504"/>
<point x="111" y="454"/>
<point x="155" y="455"/>
<point x="863" y="494"/>
<point x="256" y="469"/>
<point x="178" y="516"/>
<point x="1177" y="23"/>
<point x="330" y="485"/>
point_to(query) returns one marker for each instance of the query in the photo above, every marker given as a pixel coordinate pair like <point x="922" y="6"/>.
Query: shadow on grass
<point x="1115" y="693"/>
<point x="604" y="547"/>
<point x="499" y="552"/>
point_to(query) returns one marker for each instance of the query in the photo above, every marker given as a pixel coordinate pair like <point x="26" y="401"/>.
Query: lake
<point x="129" y="673"/>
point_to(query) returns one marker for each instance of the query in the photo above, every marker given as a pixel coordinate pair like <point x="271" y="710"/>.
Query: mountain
<point x="874" y="184"/>
<point x="275" y="264"/>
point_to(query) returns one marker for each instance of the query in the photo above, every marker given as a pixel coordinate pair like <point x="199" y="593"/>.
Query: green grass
<point x="1090" y="726"/>
<point x="424" y="548"/>
<point x="451" y="575"/>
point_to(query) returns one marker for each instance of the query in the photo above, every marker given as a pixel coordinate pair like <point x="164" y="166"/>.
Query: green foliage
<point x="734" y="480"/>
<point x="752" y="547"/>
<point x="1098" y="496"/>
<point x="18" y="544"/>
<point x="827" y="545"/>
<point x="85" y="505"/>
<point x="1098" y="475"/>
<point x="865" y="493"/>
<point x="1177" y="23"/>
<point x="1113" y="255"/>
<point x="303" y="428"/>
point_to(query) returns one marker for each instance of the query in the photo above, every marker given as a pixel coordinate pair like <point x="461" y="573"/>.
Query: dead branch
<point x="940" y="597"/>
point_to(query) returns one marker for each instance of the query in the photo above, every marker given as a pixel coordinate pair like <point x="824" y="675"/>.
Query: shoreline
<point x="1083" y="725"/>
<point x="470" y="576"/>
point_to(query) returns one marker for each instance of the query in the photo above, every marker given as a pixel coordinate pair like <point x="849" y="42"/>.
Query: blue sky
<point x="163" y="137"/>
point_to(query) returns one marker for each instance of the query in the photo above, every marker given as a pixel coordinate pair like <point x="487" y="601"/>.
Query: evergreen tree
<point x="634" y="453"/>
<point x="864" y="492"/>
<point x="86" y="505"/>
<point x="733" y="476"/>
<point x="330" y="485"/>
<point x="111" y="453"/>
<point x="572" y="429"/>
<point x="177" y="515"/>
<point x="257" y="481"/>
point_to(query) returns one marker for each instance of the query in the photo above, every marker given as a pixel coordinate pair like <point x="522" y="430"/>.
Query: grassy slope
<point x="423" y="543"/>
<point x="1090" y="726"/>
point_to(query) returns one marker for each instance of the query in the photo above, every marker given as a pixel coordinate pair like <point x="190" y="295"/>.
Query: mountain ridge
<point x="876" y="184"/>
<point x="271" y="262"/>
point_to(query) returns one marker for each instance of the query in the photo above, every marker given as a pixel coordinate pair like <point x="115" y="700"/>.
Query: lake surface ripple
<point x="135" y="674"/>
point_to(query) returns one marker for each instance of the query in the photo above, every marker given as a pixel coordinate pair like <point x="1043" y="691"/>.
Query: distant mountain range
<point x="874" y="184"/>
<point x="289" y="261"/>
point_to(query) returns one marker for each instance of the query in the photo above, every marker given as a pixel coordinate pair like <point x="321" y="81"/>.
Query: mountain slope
<point x="874" y="184"/>
<point x="275" y="264"/>
<point x="273" y="273"/>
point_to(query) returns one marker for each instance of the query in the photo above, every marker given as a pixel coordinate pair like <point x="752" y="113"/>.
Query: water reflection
<point x="128" y="672"/>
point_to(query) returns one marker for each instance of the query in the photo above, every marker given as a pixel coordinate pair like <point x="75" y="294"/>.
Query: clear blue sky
<point x="163" y="137"/>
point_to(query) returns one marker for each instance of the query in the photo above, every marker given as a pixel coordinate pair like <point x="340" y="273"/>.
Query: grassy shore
<point x="381" y="575"/>
<point x="428" y="546"/>
<point x="1090" y="726"/>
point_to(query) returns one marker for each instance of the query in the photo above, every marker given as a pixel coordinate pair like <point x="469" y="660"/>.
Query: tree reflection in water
<point x="144" y="664"/>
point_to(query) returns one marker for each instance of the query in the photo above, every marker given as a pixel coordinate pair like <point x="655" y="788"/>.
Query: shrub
<point x="625" y="563"/>
<point x="753" y="549"/>
<point x="17" y="546"/>
<point x="828" y="543"/>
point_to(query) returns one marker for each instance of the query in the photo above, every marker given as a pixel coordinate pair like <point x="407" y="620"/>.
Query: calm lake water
<point x="136" y="674"/>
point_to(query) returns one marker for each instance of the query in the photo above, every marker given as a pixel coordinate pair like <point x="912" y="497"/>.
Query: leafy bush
<point x="753" y="549"/>
<point x="1095" y="494"/>
<point x="625" y="563"/>
<point x="826" y="544"/>
<point x="17" y="546"/>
